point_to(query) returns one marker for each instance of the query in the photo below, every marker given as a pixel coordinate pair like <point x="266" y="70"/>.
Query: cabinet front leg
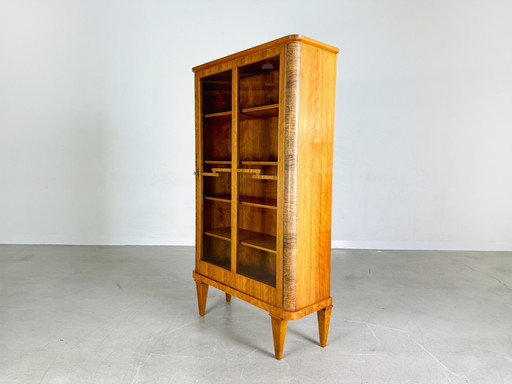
<point x="324" y="318"/>
<point x="202" y="295"/>
<point x="279" y="333"/>
<point x="228" y="297"/>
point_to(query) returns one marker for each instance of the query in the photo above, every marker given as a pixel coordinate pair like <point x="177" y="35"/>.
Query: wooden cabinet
<point x="264" y="143"/>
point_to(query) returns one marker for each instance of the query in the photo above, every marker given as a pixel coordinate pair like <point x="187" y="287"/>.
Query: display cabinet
<point x="264" y="143"/>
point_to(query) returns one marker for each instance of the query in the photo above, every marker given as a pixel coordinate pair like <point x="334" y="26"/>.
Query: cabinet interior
<point x="216" y="93"/>
<point x="252" y="200"/>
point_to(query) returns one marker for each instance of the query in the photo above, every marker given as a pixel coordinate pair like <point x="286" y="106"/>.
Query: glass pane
<point x="258" y="163"/>
<point x="217" y="252"/>
<point x="217" y="232"/>
<point x="259" y="83"/>
<point x="216" y="91"/>
<point x="257" y="264"/>
<point x="257" y="241"/>
<point x="216" y="147"/>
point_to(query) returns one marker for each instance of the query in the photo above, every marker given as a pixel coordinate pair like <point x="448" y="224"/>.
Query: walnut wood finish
<point x="324" y="319"/>
<point x="315" y="129"/>
<point x="278" y="42"/>
<point x="276" y="311"/>
<point x="202" y="295"/>
<point x="279" y="334"/>
<point x="264" y="142"/>
<point x="290" y="148"/>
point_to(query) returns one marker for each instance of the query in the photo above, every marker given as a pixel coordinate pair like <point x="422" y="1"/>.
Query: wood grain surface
<point x="264" y="150"/>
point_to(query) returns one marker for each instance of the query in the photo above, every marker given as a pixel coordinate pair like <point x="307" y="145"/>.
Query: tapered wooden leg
<point x="324" y="318"/>
<point x="228" y="297"/>
<point x="202" y="295"/>
<point x="279" y="333"/>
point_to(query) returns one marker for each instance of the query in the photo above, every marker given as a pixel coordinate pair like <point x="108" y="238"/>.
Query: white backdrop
<point x="97" y="120"/>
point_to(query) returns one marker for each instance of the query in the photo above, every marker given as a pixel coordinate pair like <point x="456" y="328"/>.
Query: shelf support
<point x="249" y="170"/>
<point x="216" y="172"/>
<point x="324" y="319"/>
<point x="256" y="173"/>
<point x="279" y="334"/>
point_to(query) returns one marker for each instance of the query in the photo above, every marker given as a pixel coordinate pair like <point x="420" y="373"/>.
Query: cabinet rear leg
<point x="324" y="318"/>
<point x="202" y="295"/>
<point x="279" y="333"/>
<point x="228" y="297"/>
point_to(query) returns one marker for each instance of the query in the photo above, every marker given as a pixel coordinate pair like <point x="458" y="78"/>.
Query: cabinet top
<point x="282" y="40"/>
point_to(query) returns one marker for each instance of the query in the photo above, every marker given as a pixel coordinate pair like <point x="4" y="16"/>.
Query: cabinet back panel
<point x="258" y="139"/>
<point x="255" y="219"/>
<point x="215" y="186"/>
<point x="217" y="251"/>
<point x="216" y="139"/>
<point x="216" y="91"/>
<point x="216" y="214"/>
<point x="256" y="187"/>
<point x="259" y="83"/>
<point x="256" y="264"/>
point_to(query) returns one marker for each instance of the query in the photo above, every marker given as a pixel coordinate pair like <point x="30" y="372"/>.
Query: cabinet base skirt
<point x="274" y="311"/>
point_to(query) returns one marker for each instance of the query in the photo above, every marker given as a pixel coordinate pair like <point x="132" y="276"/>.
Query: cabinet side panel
<point x="291" y="96"/>
<point x="314" y="169"/>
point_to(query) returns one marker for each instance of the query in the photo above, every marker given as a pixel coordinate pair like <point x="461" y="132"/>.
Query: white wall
<point x="97" y="130"/>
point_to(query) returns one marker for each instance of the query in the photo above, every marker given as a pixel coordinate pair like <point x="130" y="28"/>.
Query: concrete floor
<point x="87" y="314"/>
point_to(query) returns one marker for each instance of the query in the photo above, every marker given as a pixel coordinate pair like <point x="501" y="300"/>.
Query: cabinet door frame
<point x="199" y="169"/>
<point x="247" y="60"/>
<point x="260" y="291"/>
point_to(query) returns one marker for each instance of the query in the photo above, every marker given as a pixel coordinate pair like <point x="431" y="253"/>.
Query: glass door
<point x="258" y="127"/>
<point x="216" y="94"/>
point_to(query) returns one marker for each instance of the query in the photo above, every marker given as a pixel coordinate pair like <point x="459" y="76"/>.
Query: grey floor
<point x="87" y="314"/>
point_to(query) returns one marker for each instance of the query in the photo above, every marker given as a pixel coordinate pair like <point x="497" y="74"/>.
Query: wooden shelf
<point x="256" y="173"/>
<point x="223" y="198"/>
<point x="260" y="108"/>
<point x="220" y="233"/>
<point x="218" y="114"/>
<point x="271" y="110"/>
<point x="250" y="162"/>
<point x="257" y="240"/>
<point x="248" y="238"/>
<point x="261" y="202"/>
<point x="217" y="161"/>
